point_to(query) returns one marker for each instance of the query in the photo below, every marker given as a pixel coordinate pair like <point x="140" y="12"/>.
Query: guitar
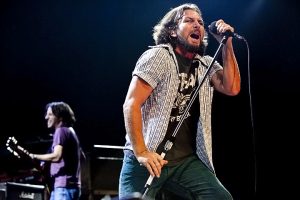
<point x="43" y="168"/>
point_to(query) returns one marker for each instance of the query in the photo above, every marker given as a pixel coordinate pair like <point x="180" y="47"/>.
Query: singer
<point x="163" y="81"/>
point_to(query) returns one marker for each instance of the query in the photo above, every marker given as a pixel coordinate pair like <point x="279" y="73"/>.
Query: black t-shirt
<point x="185" y="139"/>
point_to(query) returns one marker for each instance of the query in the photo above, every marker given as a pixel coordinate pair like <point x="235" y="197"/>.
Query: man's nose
<point x="196" y="24"/>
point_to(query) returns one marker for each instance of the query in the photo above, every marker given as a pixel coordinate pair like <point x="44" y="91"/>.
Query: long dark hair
<point x="162" y="30"/>
<point x="62" y="111"/>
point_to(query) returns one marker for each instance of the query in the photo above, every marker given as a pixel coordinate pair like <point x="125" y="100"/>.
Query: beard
<point x="183" y="42"/>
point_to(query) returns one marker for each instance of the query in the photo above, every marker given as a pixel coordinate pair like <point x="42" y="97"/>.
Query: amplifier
<point x="20" y="191"/>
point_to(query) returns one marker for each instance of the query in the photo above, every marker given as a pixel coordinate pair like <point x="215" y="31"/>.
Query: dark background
<point x="83" y="53"/>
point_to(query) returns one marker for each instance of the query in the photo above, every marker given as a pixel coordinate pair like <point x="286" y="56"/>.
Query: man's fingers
<point x="149" y="168"/>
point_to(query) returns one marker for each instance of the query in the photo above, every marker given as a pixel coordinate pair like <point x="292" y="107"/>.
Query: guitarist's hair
<point x="63" y="111"/>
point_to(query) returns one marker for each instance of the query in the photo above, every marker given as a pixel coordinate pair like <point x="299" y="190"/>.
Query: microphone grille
<point x="212" y="27"/>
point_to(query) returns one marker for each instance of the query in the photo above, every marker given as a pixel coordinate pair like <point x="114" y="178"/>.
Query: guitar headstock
<point x="13" y="147"/>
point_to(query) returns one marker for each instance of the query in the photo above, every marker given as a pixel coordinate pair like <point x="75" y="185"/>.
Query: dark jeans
<point x="190" y="179"/>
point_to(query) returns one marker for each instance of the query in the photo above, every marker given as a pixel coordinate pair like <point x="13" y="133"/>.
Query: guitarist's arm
<point x="53" y="157"/>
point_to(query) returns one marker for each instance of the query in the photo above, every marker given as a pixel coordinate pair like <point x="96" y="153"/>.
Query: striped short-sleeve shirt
<point x="159" y="68"/>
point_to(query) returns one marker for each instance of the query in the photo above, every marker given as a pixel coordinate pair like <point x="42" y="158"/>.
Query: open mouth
<point x="195" y="36"/>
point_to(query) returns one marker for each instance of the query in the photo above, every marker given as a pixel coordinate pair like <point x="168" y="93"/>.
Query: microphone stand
<point x="170" y="141"/>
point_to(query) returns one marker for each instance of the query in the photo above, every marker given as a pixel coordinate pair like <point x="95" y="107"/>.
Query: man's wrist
<point x="140" y="152"/>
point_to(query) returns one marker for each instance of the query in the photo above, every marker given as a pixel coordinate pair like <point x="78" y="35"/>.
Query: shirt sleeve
<point x="151" y="66"/>
<point x="216" y="66"/>
<point x="59" y="137"/>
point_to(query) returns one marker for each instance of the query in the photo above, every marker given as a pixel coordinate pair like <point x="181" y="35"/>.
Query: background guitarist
<point x="64" y="157"/>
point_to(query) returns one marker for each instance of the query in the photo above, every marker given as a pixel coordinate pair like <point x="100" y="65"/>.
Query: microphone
<point x="212" y="28"/>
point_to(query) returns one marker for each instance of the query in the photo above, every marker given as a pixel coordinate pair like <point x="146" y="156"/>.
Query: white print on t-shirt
<point x="187" y="83"/>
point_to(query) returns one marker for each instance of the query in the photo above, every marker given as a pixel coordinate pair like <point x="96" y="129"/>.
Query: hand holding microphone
<point x="219" y="29"/>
